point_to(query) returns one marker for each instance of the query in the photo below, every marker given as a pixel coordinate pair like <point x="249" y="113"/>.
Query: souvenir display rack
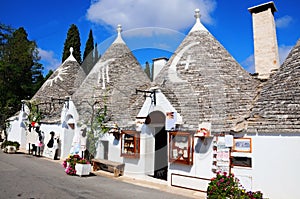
<point x="181" y="147"/>
<point x="130" y="144"/>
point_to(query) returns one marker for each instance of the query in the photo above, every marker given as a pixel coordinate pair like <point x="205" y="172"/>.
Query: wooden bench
<point x="116" y="167"/>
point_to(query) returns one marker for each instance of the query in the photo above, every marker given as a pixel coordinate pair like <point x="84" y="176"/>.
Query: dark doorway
<point x="161" y="154"/>
<point x="105" y="149"/>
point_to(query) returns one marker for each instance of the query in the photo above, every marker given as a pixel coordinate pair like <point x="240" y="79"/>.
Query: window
<point x="130" y="144"/>
<point x="181" y="147"/>
<point x="241" y="161"/>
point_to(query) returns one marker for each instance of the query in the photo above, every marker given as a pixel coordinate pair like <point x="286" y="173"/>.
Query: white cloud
<point x="248" y="64"/>
<point x="284" y="21"/>
<point x="283" y="52"/>
<point x="48" y="60"/>
<point x="174" y="14"/>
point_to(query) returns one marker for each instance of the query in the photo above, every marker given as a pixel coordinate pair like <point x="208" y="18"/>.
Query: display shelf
<point x="130" y="144"/>
<point x="181" y="147"/>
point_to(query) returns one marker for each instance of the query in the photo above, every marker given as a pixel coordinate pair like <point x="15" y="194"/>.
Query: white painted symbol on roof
<point x="172" y="72"/>
<point x="57" y="76"/>
<point x="187" y="62"/>
<point x="104" y="72"/>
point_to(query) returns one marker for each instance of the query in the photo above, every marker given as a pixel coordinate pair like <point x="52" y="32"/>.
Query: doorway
<point x="161" y="154"/>
<point x="157" y="122"/>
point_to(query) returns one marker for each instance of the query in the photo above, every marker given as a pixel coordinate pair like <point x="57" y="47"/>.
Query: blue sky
<point x="151" y="29"/>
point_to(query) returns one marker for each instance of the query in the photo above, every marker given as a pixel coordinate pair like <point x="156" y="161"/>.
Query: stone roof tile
<point x="206" y="84"/>
<point x="112" y="82"/>
<point x="277" y="109"/>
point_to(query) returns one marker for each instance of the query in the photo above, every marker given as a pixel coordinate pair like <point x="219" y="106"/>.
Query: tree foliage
<point x="72" y="40"/>
<point x="97" y="128"/>
<point x="147" y="70"/>
<point x="20" y="71"/>
<point x="88" y="55"/>
<point x="96" y="54"/>
<point x="89" y="46"/>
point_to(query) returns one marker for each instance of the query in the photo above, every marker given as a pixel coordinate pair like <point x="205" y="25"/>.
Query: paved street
<point x="26" y="176"/>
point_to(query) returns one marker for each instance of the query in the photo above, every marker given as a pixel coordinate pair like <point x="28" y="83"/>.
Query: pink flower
<point x="64" y="164"/>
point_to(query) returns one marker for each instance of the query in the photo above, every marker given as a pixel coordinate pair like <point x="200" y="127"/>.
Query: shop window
<point x="241" y="161"/>
<point x="130" y="144"/>
<point x="181" y="147"/>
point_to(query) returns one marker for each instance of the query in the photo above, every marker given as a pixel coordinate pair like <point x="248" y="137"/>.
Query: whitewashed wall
<point x="201" y="168"/>
<point x="276" y="160"/>
<point x="133" y="166"/>
<point x="17" y="132"/>
<point x="57" y="129"/>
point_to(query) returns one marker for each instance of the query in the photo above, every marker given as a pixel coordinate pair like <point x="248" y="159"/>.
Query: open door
<point x="161" y="154"/>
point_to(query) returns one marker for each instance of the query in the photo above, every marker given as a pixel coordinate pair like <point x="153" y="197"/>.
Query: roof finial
<point x="119" y="29"/>
<point x="71" y="57"/>
<point x="197" y="13"/>
<point x="198" y="25"/>
<point x="119" y="37"/>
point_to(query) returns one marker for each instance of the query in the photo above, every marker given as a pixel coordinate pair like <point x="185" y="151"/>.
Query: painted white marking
<point x="60" y="72"/>
<point x="172" y="72"/>
<point x="188" y="62"/>
<point x="103" y="73"/>
<point x="103" y="79"/>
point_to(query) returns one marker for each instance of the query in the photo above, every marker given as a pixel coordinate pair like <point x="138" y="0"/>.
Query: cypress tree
<point x="73" y="40"/>
<point x="88" y="57"/>
<point x="147" y="70"/>
<point x="89" y="46"/>
<point x="96" y="54"/>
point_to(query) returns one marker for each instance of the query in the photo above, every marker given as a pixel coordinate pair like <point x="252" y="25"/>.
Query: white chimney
<point x="265" y="40"/>
<point x="158" y="64"/>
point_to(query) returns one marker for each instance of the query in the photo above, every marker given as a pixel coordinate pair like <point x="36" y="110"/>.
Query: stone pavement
<point x="153" y="183"/>
<point x="142" y="180"/>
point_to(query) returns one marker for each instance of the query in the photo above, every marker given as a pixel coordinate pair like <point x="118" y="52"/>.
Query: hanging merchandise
<point x="221" y="155"/>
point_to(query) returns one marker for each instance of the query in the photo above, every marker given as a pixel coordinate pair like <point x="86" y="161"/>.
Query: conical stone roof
<point x="62" y="83"/>
<point x="112" y="82"/>
<point x="278" y="106"/>
<point x="204" y="82"/>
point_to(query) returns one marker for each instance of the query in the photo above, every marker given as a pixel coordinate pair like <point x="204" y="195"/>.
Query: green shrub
<point x="225" y="186"/>
<point x="10" y="143"/>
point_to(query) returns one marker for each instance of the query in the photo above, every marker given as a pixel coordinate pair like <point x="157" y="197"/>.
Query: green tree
<point x="5" y="34"/>
<point x="49" y="74"/>
<point x="97" y="128"/>
<point x="21" y="74"/>
<point x="96" y="54"/>
<point x="88" y="56"/>
<point x="147" y="70"/>
<point x="89" y="46"/>
<point x="72" y="40"/>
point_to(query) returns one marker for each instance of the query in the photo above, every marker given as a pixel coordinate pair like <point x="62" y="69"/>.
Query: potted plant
<point x="83" y="167"/>
<point x="75" y="165"/>
<point x="10" y="146"/>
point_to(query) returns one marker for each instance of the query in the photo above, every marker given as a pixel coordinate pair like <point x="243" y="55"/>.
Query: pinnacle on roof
<point x="119" y="37"/>
<point x="71" y="57"/>
<point x="198" y="25"/>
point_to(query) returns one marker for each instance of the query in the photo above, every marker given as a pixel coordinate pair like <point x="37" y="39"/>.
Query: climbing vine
<point x="97" y="129"/>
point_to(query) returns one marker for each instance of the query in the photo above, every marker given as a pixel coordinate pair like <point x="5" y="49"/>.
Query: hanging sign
<point x="171" y="118"/>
